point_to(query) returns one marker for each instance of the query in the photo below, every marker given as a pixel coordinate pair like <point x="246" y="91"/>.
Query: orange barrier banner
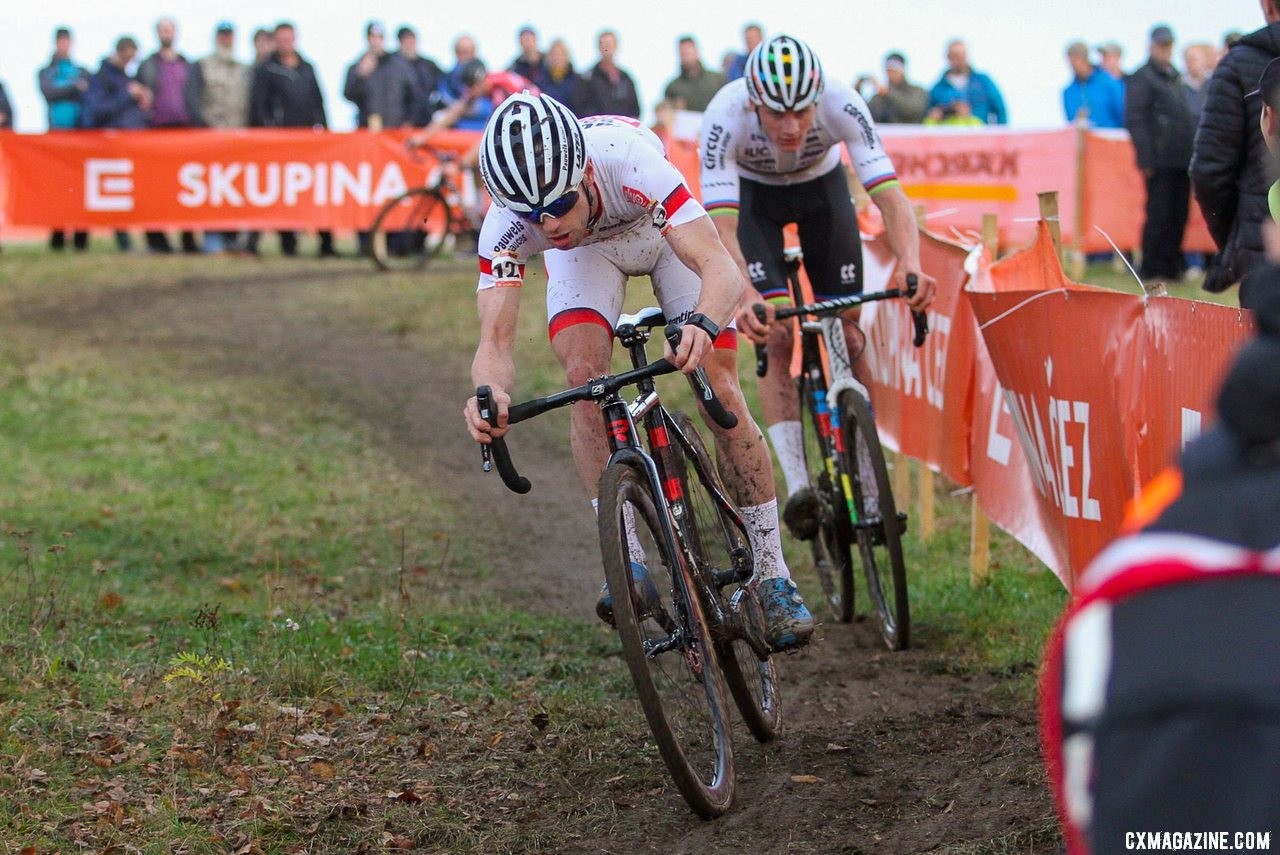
<point x="208" y="179"/>
<point x="1101" y="390"/>
<point x="922" y="395"/>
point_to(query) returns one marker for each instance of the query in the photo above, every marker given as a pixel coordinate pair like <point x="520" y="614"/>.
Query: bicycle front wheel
<point x="877" y="527"/>
<point x="409" y="230"/>
<point x="719" y="544"/>
<point x="832" y="545"/>
<point x="665" y="643"/>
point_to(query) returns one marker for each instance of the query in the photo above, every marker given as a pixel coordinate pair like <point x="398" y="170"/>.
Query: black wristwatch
<point x="703" y="323"/>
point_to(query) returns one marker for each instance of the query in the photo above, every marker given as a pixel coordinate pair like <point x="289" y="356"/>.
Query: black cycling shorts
<point x="823" y="212"/>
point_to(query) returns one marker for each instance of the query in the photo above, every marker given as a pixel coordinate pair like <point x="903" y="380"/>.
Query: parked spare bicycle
<point x="692" y="628"/>
<point x="853" y="511"/>
<point x="417" y="225"/>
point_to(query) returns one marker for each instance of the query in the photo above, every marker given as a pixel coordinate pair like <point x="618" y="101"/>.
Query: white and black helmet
<point x="783" y="74"/>
<point x="532" y="152"/>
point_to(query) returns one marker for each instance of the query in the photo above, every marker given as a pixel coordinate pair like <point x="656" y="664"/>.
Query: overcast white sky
<point x="1019" y="43"/>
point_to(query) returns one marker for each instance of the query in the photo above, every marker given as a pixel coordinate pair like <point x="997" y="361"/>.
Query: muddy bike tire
<point x="832" y="546"/>
<point x="410" y="230"/>
<point x="681" y="690"/>
<point x="714" y="537"/>
<point x="878" y="528"/>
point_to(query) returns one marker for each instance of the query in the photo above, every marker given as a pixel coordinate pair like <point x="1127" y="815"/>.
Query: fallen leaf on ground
<point x="806" y="779"/>
<point x="312" y="738"/>
<point x="323" y="770"/>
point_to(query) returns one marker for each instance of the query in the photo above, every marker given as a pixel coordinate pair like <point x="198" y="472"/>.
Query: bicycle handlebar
<point x="919" y="321"/>
<point x="593" y="390"/>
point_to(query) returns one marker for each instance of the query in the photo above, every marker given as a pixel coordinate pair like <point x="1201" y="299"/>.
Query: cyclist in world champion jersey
<point x="770" y="157"/>
<point x="602" y="203"/>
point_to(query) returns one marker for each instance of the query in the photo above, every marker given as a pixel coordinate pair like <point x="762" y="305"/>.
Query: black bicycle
<point x="845" y="462"/>
<point x="692" y="629"/>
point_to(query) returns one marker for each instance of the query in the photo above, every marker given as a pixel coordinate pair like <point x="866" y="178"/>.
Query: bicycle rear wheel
<point x="666" y="644"/>
<point x="719" y="543"/>
<point x="409" y="230"/>
<point x="878" y="529"/>
<point x="832" y="547"/>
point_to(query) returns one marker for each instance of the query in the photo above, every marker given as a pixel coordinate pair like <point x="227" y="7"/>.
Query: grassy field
<point x="231" y="621"/>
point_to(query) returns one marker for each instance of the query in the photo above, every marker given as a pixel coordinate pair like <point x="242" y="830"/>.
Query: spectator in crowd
<point x="609" y="89"/>
<point x="896" y="101"/>
<point x="426" y="74"/>
<point x="752" y="35"/>
<point x="1157" y="115"/>
<point x="695" y="85"/>
<point x="479" y="86"/>
<point x="382" y="85"/>
<point x="165" y="73"/>
<point x="264" y="44"/>
<point x="63" y="84"/>
<point x="557" y="78"/>
<point x="1199" y="59"/>
<point x="1231" y="170"/>
<point x="6" y="110"/>
<point x="528" y="64"/>
<point x="1110" y="58"/>
<point x="115" y="99"/>
<point x="1093" y="97"/>
<point x="967" y="92"/>
<point x="218" y="97"/>
<point x="460" y="83"/>
<point x="464" y="51"/>
<point x="286" y="94"/>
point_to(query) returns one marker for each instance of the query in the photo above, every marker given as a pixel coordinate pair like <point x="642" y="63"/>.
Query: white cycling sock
<point x="766" y="543"/>
<point x="788" y="445"/>
<point x="633" y="540"/>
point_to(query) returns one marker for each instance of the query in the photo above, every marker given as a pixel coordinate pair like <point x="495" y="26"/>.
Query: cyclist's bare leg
<point x="584" y="351"/>
<point x="744" y="463"/>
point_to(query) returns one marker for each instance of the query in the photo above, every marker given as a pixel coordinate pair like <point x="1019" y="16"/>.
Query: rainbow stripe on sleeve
<point x="881" y="182"/>
<point x="722" y="207"/>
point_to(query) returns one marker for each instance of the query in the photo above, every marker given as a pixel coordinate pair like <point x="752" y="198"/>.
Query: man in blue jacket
<point x="1093" y="97"/>
<point x="63" y="84"/>
<point x="115" y="99"/>
<point x="961" y="90"/>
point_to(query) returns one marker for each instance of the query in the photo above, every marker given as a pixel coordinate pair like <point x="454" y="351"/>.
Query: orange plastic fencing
<point x="1059" y="401"/>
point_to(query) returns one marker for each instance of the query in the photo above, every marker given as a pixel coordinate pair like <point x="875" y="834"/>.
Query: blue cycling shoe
<point x="788" y="623"/>
<point x="643" y="592"/>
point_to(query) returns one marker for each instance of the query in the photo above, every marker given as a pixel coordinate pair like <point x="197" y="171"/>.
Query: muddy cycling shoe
<point x="643" y="592"/>
<point x="803" y="514"/>
<point x="787" y="621"/>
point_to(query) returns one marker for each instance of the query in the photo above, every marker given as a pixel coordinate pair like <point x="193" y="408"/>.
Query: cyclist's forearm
<point x="494" y="363"/>
<point x="722" y="290"/>
<point x="493" y="367"/>
<point x="727" y="228"/>
<point x="900" y="226"/>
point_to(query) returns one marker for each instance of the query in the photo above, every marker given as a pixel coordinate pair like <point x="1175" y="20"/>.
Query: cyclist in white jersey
<point x="770" y="150"/>
<point x="601" y="202"/>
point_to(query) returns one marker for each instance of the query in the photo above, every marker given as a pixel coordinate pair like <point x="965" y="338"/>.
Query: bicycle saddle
<point x="646" y="318"/>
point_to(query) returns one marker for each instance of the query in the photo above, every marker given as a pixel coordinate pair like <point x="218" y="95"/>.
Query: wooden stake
<point x="979" y="525"/>
<point x="979" y="545"/>
<point x="901" y="480"/>
<point x="1049" y="212"/>
<point x="1075" y="256"/>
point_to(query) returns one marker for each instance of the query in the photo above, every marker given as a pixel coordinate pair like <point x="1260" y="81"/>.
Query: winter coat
<point x="285" y="97"/>
<point x="218" y="92"/>
<point x="1231" y="169"/>
<point x="390" y="91"/>
<point x="1157" y="115"/>
<point x="603" y="97"/>
<point x="107" y="102"/>
<point x="983" y="96"/>
<point x="59" y="85"/>
<point x="1101" y="96"/>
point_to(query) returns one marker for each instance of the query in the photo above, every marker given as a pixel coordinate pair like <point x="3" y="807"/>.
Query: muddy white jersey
<point x="734" y="145"/>
<point x="637" y="189"/>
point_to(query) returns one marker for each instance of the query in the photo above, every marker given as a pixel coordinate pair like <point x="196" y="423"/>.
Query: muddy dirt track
<point x="910" y="758"/>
